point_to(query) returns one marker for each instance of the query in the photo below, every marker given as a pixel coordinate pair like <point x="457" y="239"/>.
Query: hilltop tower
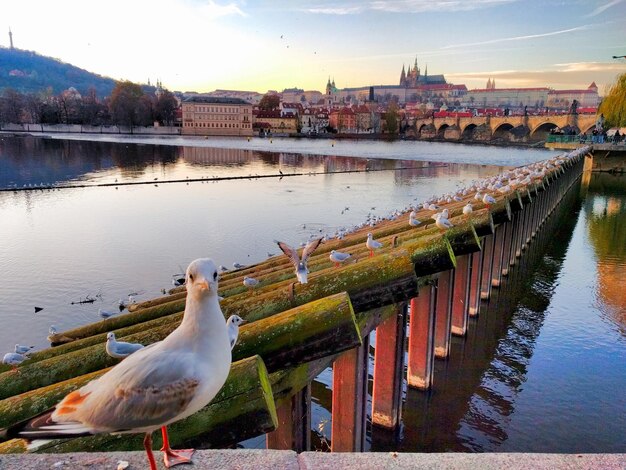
<point x="11" y="38"/>
<point x="403" y="75"/>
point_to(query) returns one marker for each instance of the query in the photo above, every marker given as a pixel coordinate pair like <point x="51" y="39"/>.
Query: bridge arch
<point x="468" y="132"/>
<point x="503" y="131"/>
<point x="421" y="128"/>
<point x="542" y="130"/>
<point x="442" y="130"/>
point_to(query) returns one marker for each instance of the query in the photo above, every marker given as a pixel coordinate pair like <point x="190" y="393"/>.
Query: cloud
<point x="405" y="6"/>
<point x="214" y="10"/>
<point x="569" y="75"/>
<point x="518" y="38"/>
<point x="602" y="8"/>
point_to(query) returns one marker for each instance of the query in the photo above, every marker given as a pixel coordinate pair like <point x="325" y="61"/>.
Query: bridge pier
<point x="475" y="282"/>
<point x="461" y="296"/>
<point x="503" y="234"/>
<point x="421" y="338"/>
<point x="350" y="399"/>
<point x="443" y="317"/>
<point x="488" y="250"/>
<point x="294" y="424"/>
<point x="389" y="369"/>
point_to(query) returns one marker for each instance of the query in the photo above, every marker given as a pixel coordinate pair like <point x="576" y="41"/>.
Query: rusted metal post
<point x="443" y="317"/>
<point x="476" y="271"/>
<point x="498" y="254"/>
<point x="460" y="299"/>
<point x="488" y="249"/>
<point x="388" y="370"/>
<point x="294" y="424"/>
<point x="350" y="399"/>
<point x="422" y="338"/>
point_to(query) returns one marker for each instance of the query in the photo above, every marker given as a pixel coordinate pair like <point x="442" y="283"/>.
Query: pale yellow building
<point x="211" y="115"/>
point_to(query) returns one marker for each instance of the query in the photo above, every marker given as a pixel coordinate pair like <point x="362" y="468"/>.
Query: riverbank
<point x="247" y="459"/>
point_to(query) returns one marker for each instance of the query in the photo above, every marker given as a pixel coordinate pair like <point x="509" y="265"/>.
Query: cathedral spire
<point x="402" y="76"/>
<point x="489" y="84"/>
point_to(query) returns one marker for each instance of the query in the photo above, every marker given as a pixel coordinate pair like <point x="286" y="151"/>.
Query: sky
<point x="203" y="45"/>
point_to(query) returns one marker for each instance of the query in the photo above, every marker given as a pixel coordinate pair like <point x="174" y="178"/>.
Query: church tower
<point x="402" y="77"/>
<point x="488" y="87"/>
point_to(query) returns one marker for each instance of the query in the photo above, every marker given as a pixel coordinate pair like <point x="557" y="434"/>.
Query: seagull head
<point x="201" y="277"/>
<point x="235" y="320"/>
<point x="110" y="336"/>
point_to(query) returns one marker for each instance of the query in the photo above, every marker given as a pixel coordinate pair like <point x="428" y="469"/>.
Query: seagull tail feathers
<point x="43" y="426"/>
<point x="302" y="277"/>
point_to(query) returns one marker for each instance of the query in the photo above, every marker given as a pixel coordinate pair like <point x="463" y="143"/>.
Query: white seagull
<point x="250" y="282"/>
<point x="232" y="324"/>
<point x="120" y="349"/>
<point x="105" y="313"/>
<point x="488" y="200"/>
<point x="443" y="223"/>
<point x="19" y="349"/>
<point x="372" y="244"/>
<point x="13" y="359"/>
<point x="300" y="265"/>
<point x="467" y="209"/>
<point x="413" y="220"/>
<point x="158" y="385"/>
<point x="338" y="257"/>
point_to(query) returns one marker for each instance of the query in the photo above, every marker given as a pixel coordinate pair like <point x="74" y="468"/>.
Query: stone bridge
<point x="511" y="128"/>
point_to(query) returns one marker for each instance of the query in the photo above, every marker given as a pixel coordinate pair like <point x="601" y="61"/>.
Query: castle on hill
<point x="413" y="78"/>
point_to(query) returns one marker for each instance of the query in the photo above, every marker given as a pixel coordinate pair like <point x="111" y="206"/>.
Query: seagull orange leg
<point x="174" y="457"/>
<point x="147" y="443"/>
<point x="371" y="253"/>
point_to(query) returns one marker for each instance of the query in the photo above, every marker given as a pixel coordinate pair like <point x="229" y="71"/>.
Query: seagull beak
<point x="203" y="284"/>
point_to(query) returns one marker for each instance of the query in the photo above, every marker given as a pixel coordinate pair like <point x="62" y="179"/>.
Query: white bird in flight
<point x="338" y="257"/>
<point x="120" y="349"/>
<point x="232" y="324"/>
<point x="372" y="244"/>
<point x="158" y="385"/>
<point x="300" y="264"/>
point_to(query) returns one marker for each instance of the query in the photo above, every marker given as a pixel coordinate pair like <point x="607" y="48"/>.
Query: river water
<point x="548" y="376"/>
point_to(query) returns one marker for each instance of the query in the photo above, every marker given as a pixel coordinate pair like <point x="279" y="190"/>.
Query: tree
<point x="165" y="108"/>
<point x="126" y="105"/>
<point x="11" y="106"/>
<point x="269" y="102"/>
<point x="391" y="118"/>
<point x="613" y="105"/>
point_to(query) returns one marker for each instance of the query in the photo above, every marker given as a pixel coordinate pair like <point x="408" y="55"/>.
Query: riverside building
<point x="210" y="115"/>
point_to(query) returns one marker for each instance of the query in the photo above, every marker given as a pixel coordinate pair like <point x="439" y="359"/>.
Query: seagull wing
<point x="143" y="391"/>
<point x="291" y="253"/>
<point x="310" y="248"/>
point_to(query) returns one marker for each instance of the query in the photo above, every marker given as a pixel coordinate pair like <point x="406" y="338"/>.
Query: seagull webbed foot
<point x="176" y="457"/>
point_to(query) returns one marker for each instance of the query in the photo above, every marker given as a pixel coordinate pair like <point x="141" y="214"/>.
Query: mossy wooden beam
<point x="483" y="223"/>
<point x="297" y="335"/>
<point x="243" y="408"/>
<point x="463" y="239"/>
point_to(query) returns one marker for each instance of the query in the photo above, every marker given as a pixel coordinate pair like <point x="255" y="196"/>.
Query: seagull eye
<point x="191" y="277"/>
<point x="215" y="276"/>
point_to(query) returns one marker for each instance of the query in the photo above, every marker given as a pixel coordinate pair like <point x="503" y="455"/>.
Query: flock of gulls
<point x="159" y="384"/>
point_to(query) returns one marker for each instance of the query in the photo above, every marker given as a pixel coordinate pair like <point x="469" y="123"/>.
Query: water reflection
<point x="606" y="227"/>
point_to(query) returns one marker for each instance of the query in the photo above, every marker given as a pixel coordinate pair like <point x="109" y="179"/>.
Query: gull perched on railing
<point x="155" y="386"/>
<point x="120" y="349"/>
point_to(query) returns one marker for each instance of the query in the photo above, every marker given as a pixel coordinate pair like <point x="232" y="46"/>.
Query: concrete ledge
<point x="247" y="459"/>
<point x="461" y="461"/>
